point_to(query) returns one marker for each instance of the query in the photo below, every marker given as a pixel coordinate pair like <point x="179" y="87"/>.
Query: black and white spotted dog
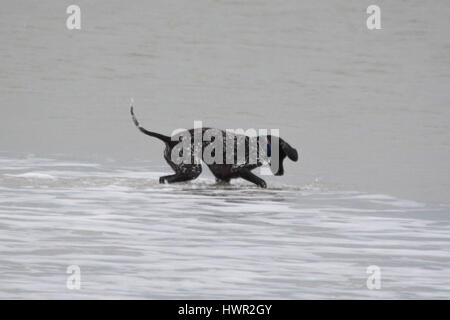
<point x="223" y="168"/>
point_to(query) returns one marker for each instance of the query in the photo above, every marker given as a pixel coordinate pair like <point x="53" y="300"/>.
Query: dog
<point x="222" y="170"/>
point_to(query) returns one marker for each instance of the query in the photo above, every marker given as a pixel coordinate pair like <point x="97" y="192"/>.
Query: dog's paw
<point x="262" y="184"/>
<point x="162" y="180"/>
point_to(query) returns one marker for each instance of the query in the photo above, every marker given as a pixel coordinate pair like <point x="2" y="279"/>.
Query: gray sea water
<point x="134" y="238"/>
<point x="368" y="111"/>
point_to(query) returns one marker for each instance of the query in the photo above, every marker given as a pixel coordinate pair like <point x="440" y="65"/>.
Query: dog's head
<point x="284" y="150"/>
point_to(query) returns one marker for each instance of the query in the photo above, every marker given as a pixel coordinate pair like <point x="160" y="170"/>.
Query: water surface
<point x="135" y="238"/>
<point x="367" y="110"/>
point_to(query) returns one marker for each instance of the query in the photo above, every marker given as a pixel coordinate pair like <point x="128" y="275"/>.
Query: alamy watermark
<point x="74" y="279"/>
<point x="73" y="22"/>
<point x="374" y="20"/>
<point x="374" y="280"/>
<point x="231" y="146"/>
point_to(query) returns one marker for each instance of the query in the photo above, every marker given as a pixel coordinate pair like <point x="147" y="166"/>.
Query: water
<point x="135" y="238"/>
<point x="368" y="111"/>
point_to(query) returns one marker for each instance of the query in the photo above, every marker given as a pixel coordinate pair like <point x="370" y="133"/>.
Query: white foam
<point x="33" y="175"/>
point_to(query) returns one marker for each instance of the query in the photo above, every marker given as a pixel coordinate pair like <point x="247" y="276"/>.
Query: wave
<point x="133" y="237"/>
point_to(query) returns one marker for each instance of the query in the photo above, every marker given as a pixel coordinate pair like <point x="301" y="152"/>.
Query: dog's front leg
<point x="246" y="174"/>
<point x="178" y="177"/>
<point x="185" y="173"/>
<point x="165" y="179"/>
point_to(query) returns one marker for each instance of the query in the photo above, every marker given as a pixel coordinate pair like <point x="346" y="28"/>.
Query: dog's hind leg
<point x="222" y="181"/>
<point x="183" y="173"/>
<point x="246" y="174"/>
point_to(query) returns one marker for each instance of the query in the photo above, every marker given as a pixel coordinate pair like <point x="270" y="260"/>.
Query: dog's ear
<point x="288" y="150"/>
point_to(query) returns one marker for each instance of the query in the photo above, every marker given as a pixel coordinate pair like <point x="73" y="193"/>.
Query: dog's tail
<point x="161" y="137"/>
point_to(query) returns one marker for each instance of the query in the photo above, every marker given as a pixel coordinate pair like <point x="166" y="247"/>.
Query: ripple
<point x="133" y="237"/>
